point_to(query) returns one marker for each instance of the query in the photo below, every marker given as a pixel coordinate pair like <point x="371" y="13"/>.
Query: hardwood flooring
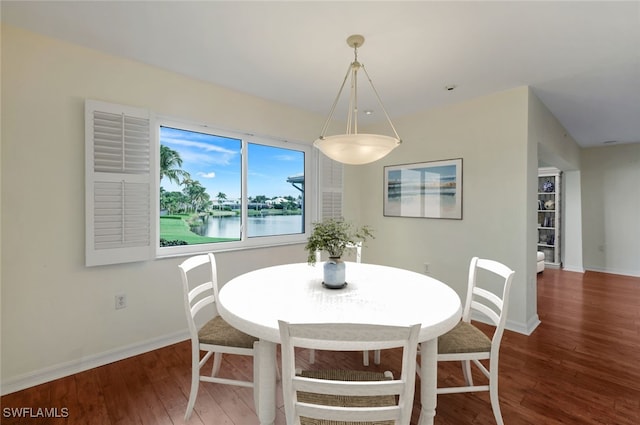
<point x="580" y="366"/>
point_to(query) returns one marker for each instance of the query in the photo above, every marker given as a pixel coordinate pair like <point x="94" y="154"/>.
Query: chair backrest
<point x="348" y="337"/>
<point x="200" y="289"/>
<point x="491" y="305"/>
<point x="357" y="247"/>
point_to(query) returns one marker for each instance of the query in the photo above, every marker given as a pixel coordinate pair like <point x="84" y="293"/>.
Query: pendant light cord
<point x="380" y="103"/>
<point x="352" y="116"/>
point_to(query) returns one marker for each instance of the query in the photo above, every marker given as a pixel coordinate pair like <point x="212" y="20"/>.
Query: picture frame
<point x="425" y="190"/>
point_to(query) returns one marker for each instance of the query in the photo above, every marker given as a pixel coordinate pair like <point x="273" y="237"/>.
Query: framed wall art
<point x="426" y="189"/>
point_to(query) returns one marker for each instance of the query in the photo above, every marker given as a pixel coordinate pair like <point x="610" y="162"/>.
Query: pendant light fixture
<point x="353" y="147"/>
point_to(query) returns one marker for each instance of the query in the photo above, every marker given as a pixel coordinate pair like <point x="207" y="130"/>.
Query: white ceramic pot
<point x="334" y="273"/>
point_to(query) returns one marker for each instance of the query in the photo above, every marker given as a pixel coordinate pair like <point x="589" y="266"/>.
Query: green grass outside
<point x="175" y="227"/>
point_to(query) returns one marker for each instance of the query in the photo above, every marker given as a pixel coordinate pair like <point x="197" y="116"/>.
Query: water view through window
<point x="201" y="180"/>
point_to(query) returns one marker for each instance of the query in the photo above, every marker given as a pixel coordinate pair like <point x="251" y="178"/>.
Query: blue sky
<point x="216" y="163"/>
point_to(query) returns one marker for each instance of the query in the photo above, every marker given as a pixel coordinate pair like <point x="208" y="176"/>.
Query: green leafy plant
<point x="333" y="236"/>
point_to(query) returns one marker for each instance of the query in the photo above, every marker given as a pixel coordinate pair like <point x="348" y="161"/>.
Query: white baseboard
<point x="524" y="328"/>
<point x="570" y="268"/>
<point x="632" y="273"/>
<point x="75" y="366"/>
<point x="520" y="327"/>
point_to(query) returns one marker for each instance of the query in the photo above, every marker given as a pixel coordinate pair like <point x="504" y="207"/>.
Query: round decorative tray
<point x="334" y="286"/>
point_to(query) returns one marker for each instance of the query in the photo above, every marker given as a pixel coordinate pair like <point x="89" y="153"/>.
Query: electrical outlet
<point x="121" y="301"/>
<point x="426" y="269"/>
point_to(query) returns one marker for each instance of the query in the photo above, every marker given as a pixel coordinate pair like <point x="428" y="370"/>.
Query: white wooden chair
<point x="215" y="336"/>
<point x="324" y="396"/>
<point x="467" y="343"/>
<point x="357" y="248"/>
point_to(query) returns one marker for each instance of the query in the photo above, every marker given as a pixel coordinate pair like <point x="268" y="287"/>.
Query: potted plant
<point x="334" y="236"/>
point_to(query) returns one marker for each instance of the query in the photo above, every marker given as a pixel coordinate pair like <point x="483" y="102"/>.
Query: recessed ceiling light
<point x="368" y="112"/>
<point x="450" y="87"/>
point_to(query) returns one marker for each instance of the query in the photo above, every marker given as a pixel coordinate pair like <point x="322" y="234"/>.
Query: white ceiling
<point x="582" y="59"/>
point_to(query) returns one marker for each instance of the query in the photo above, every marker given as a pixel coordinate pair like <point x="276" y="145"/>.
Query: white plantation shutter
<point x="118" y="187"/>
<point x="330" y="188"/>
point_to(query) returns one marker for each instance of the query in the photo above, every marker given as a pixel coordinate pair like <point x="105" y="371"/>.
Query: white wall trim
<point x="512" y="325"/>
<point x="569" y="268"/>
<point x="75" y="366"/>
<point x="524" y="328"/>
<point x="632" y="273"/>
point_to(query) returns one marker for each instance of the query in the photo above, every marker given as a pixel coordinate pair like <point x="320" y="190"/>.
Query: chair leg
<point x="493" y="394"/>
<point x="376" y="357"/>
<point x="217" y="361"/>
<point x="466" y="372"/>
<point x="195" y="383"/>
<point x="312" y="356"/>
<point x="365" y="358"/>
<point x="495" y="401"/>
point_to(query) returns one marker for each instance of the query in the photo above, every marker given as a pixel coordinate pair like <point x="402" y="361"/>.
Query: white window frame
<point x="323" y="190"/>
<point x="244" y="242"/>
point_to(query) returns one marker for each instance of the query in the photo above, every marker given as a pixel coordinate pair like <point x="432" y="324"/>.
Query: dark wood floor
<point x="581" y="366"/>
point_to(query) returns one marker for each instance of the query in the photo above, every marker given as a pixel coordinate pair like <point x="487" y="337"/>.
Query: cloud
<point x="209" y="175"/>
<point x="207" y="147"/>
<point x="198" y="148"/>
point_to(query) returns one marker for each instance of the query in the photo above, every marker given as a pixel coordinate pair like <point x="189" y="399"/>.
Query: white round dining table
<point x="374" y="294"/>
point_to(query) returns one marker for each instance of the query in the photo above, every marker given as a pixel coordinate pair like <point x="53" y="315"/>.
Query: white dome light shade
<point x="356" y="149"/>
<point x="352" y="147"/>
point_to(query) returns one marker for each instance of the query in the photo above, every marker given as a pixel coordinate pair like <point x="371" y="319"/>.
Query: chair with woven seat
<point x="330" y="397"/>
<point x="215" y="336"/>
<point x="357" y="254"/>
<point x="467" y="343"/>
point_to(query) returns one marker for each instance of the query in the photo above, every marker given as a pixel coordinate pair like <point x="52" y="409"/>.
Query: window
<point x="159" y="188"/>
<point x="223" y="190"/>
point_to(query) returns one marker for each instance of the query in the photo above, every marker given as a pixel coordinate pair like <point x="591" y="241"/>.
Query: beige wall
<point x="572" y="222"/>
<point x="611" y="209"/>
<point x="549" y="142"/>
<point x="49" y="299"/>
<point x="601" y="198"/>
<point x="57" y="315"/>
<point x="490" y="135"/>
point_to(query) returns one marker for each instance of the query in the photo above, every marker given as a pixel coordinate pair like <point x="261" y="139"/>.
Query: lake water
<point x="229" y="227"/>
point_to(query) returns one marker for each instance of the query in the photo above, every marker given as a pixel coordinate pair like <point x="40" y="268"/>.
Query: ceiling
<point x="582" y="59"/>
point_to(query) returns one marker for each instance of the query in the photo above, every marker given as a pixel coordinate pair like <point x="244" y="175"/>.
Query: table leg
<point x="428" y="381"/>
<point x="264" y="381"/>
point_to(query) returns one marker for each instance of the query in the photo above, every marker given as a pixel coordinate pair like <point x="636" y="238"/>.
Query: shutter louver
<point x="330" y="188"/>
<point x="119" y="197"/>
<point x="331" y="205"/>
<point x="121" y="144"/>
<point x="121" y="215"/>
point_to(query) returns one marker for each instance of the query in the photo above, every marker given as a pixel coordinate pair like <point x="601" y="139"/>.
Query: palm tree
<point x="196" y="193"/>
<point x="170" y="165"/>
<point x="221" y="196"/>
